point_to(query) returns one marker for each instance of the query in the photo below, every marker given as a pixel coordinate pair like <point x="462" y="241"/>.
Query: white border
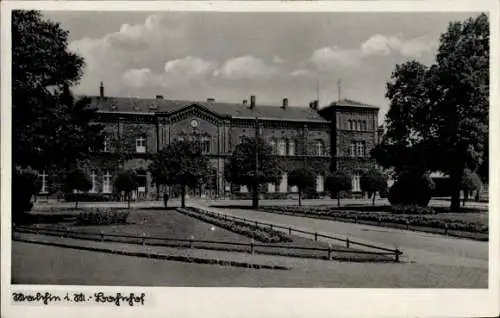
<point x="250" y="302"/>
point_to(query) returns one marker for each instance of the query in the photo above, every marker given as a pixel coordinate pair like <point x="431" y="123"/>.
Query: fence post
<point x="256" y="224"/>
<point x="356" y="219"/>
<point x="379" y="220"/>
<point x="397" y="255"/>
<point x="102" y="236"/>
<point x="316" y="236"/>
<point x="446" y="228"/>
<point x="252" y="247"/>
<point x="289" y="231"/>
<point x="407" y="224"/>
<point x="143" y="238"/>
<point x="329" y="251"/>
<point x="191" y="241"/>
<point x="347" y="243"/>
<point x="37" y="229"/>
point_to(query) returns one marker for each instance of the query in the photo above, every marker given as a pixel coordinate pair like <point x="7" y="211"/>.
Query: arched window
<point x="291" y="148"/>
<point x="281" y="147"/>
<point x="205" y="144"/>
<point x="272" y="144"/>
<point x="319" y="148"/>
<point x="106" y="183"/>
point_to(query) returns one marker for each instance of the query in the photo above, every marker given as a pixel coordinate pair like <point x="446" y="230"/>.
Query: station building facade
<point x="337" y="136"/>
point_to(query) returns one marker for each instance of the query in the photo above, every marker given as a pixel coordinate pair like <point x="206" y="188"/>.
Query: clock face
<point x="194" y="123"/>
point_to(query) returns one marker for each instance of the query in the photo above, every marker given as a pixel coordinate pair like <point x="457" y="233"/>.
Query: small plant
<point x="102" y="216"/>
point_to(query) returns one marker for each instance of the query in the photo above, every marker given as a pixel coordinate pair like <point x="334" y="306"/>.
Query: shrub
<point x="411" y="209"/>
<point x="412" y="189"/>
<point x="88" y="197"/>
<point x="102" y="216"/>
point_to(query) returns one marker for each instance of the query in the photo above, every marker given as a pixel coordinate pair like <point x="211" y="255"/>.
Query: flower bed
<point x="403" y="219"/>
<point x="102" y="216"/>
<point x="262" y="234"/>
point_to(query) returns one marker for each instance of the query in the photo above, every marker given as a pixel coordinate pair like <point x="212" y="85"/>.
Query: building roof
<point x="235" y="110"/>
<point x="351" y="103"/>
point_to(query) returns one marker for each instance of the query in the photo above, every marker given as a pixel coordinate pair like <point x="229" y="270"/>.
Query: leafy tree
<point x="180" y="163"/>
<point x="303" y="178"/>
<point x="412" y="188"/>
<point x="373" y="181"/>
<point x="50" y="130"/>
<point x="470" y="182"/>
<point x="337" y="182"/>
<point x="27" y="180"/>
<point x="126" y="181"/>
<point x="438" y="117"/>
<point x="242" y="169"/>
<point x="77" y="180"/>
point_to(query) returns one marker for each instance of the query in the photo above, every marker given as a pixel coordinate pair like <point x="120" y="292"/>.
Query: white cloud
<point x="301" y="72"/>
<point x="139" y="77"/>
<point x="189" y="68"/>
<point x="278" y="60"/>
<point x="245" y="67"/>
<point x="384" y="45"/>
<point x="328" y="58"/>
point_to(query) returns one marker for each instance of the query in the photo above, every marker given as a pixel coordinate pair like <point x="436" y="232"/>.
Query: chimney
<point x="210" y="100"/>
<point x="252" y="102"/>
<point x="314" y="105"/>
<point x="101" y="90"/>
<point x="245" y="102"/>
<point x="159" y="96"/>
<point x="285" y="103"/>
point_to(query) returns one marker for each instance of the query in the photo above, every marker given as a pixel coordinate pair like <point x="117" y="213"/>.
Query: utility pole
<point x="339" y="88"/>
<point x="255" y="185"/>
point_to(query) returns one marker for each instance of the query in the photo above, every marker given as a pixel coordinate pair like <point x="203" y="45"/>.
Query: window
<point x="294" y="189"/>
<point x="364" y="127"/>
<point x="358" y="149"/>
<point x="272" y="144"/>
<point x="350" y="125"/>
<point x="291" y="148"/>
<point x="106" y="144"/>
<point x="93" y="180"/>
<point x="361" y="148"/>
<point x="320" y="183"/>
<point x="106" y="183"/>
<point x="140" y="145"/>
<point x="284" y="183"/>
<point x="281" y="147"/>
<point x="44" y="188"/>
<point x="320" y="148"/>
<point x="205" y="144"/>
<point x="356" y="182"/>
<point x="271" y="187"/>
<point x="243" y="189"/>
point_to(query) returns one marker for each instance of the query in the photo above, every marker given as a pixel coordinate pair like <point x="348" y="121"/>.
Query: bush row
<point x="262" y="234"/>
<point x="412" y="209"/>
<point x="102" y="216"/>
<point x="411" y="220"/>
<point x="88" y="197"/>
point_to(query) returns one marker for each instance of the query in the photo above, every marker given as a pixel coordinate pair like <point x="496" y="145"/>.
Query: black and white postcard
<point x="249" y="159"/>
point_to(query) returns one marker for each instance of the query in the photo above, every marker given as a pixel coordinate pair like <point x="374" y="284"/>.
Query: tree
<point x="373" y="181"/>
<point x="337" y="182"/>
<point x="50" y="130"/>
<point x="252" y="163"/>
<point x="77" y="180"/>
<point x="303" y="179"/>
<point x="470" y="182"/>
<point x="27" y="180"/>
<point x="126" y="181"/>
<point x="180" y="163"/>
<point x="438" y="116"/>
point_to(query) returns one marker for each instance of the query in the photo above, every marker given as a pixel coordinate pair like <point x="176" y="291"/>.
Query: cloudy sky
<point x="229" y="56"/>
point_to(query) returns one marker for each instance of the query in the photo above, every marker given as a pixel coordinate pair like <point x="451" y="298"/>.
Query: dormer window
<point x="140" y="145"/>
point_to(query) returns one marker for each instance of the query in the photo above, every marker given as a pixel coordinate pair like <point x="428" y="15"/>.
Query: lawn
<point x="161" y="226"/>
